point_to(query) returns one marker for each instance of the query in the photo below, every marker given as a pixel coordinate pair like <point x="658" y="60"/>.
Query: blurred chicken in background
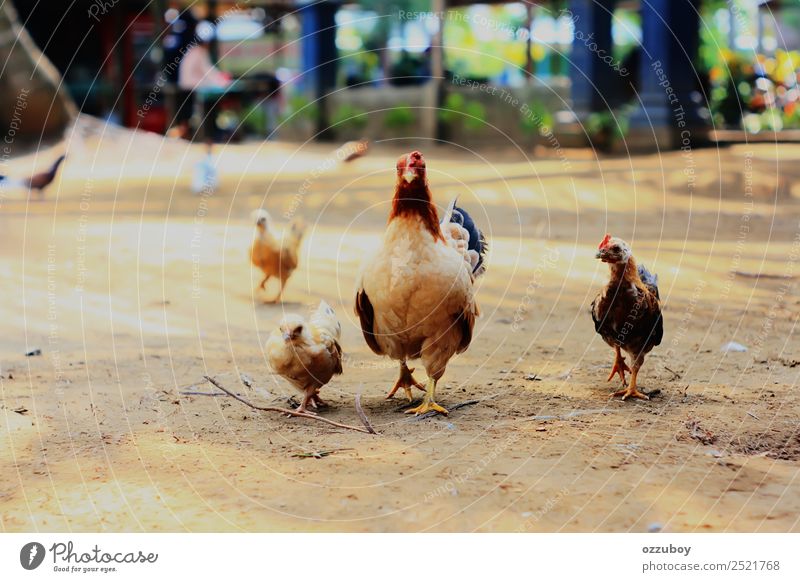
<point x="37" y="182"/>
<point x="275" y="257"/>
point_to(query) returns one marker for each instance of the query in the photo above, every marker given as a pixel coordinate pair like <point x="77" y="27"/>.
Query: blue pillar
<point x="318" y="52"/>
<point x="668" y="80"/>
<point x="592" y="81"/>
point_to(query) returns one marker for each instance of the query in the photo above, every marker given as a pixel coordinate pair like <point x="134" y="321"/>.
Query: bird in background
<point x="307" y="352"/>
<point x="416" y="295"/>
<point x="352" y="150"/>
<point x="275" y="257"/>
<point x="38" y="182"/>
<point x="627" y="313"/>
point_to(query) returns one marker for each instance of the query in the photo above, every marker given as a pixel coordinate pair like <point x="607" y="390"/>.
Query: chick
<point x="627" y="312"/>
<point x="307" y="353"/>
<point x="275" y="258"/>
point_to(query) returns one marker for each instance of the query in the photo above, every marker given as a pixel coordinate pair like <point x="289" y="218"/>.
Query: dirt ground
<point x="133" y="289"/>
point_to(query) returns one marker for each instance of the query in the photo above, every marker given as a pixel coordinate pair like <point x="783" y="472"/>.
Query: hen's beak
<point x="598" y="255"/>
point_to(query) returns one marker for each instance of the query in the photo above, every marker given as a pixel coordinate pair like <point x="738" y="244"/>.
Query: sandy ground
<point x="133" y="289"/>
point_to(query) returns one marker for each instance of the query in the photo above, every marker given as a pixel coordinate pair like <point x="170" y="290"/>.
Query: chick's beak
<point x="599" y="254"/>
<point x="286" y="336"/>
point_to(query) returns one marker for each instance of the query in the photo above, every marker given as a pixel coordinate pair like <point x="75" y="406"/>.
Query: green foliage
<point x="400" y="117"/>
<point x="300" y="108"/>
<point x="349" y="117"/>
<point x="456" y="109"/>
<point x="475" y="115"/>
<point x="453" y="103"/>
<point x="538" y="119"/>
<point x="606" y="127"/>
<point x="255" y="119"/>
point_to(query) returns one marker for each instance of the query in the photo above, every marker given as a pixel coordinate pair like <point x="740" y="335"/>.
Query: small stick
<point x="753" y="415"/>
<point x="674" y="373"/>
<point x="283" y="410"/>
<point x="362" y="416"/>
<point x="203" y="393"/>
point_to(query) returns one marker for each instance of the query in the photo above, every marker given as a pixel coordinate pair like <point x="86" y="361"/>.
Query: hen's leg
<point x="263" y="285"/>
<point x="632" y="391"/>
<point x="428" y="403"/>
<point x="406" y="381"/>
<point x="620" y="367"/>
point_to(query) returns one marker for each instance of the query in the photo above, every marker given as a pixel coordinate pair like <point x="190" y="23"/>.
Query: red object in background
<point x="141" y="97"/>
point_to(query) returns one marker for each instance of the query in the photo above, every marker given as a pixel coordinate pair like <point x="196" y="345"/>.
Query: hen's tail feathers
<point x="462" y="233"/>
<point x="649" y="279"/>
<point x="324" y="318"/>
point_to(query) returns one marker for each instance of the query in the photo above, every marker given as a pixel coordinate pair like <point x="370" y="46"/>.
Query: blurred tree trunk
<point x="34" y="106"/>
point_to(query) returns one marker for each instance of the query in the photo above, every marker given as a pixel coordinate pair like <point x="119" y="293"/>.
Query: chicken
<point x="275" y="258"/>
<point x="627" y="313"/>
<point x="416" y="296"/>
<point x="307" y="353"/>
<point x="38" y="181"/>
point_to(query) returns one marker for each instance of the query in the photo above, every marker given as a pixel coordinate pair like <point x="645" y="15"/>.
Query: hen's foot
<point x="631" y="392"/>
<point x="406" y="381"/>
<point x="428" y="402"/>
<point x="427" y="406"/>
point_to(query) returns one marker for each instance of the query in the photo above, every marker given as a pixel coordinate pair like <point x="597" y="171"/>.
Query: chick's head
<point x="261" y="218"/>
<point x="293" y="329"/>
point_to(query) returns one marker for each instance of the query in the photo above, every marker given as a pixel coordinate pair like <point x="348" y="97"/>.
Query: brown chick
<point x="627" y="313"/>
<point x="307" y="353"/>
<point x="275" y="258"/>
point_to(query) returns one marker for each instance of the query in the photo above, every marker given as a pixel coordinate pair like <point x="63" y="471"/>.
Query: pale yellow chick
<point x="307" y="352"/>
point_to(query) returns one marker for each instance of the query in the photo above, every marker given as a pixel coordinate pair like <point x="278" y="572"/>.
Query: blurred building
<point x="570" y="72"/>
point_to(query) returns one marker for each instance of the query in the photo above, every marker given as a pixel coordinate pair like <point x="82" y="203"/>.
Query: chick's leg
<point x="316" y="401"/>
<point x="308" y="400"/>
<point x="620" y="367"/>
<point x="406" y="381"/>
<point x="263" y="285"/>
<point x="428" y="403"/>
<point x="632" y="391"/>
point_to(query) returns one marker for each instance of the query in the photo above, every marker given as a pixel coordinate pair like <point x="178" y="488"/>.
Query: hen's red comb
<point x="604" y="242"/>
